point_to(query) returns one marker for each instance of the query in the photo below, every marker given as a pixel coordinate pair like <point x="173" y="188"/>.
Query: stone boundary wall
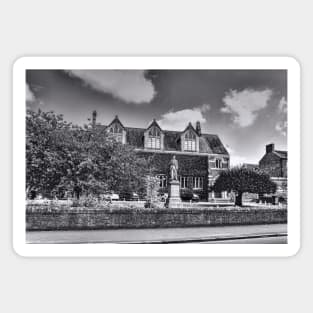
<point x="47" y="218"/>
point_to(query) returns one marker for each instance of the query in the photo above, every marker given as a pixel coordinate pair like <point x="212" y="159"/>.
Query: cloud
<point x="282" y="105"/>
<point x="234" y="158"/>
<point x="244" y="105"/>
<point x="180" y="119"/>
<point x="282" y="124"/>
<point x="30" y="96"/>
<point x="127" y="85"/>
<point x="205" y="108"/>
<point x="33" y="100"/>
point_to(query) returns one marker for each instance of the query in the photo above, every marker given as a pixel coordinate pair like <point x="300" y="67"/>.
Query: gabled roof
<point x="208" y="143"/>
<point x="281" y="154"/>
<point x="189" y="126"/>
<point x="154" y="123"/>
<point x="116" y="120"/>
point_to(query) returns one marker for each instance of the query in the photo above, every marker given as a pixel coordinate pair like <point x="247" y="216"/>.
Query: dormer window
<point x="116" y="131"/>
<point x="154" y="138"/>
<point x="190" y="141"/>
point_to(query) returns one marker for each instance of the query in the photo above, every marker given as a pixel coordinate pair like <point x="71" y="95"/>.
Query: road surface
<point x="273" y="233"/>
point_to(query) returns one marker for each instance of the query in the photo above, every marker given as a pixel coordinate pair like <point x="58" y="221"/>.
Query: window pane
<point x="183" y="182"/>
<point x="190" y="145"/>
<point x="116" y="129"/>
<point x="218" y="163"/>
<point x="154" y="139"/>
<point x="197" y="182"/>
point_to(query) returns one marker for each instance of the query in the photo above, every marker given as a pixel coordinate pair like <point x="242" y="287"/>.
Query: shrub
<point x="186" y="194"/>
<point x="89" y="201"/>
<point x="154" y="205"/>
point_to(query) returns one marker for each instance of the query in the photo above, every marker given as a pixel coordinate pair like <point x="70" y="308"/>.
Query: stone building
<point x="274" y="163"/>
<point x="201" y="156"/>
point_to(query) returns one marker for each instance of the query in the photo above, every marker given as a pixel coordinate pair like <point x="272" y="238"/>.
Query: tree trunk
<point x="238" y="200"/>
<point x="77" y="192"/>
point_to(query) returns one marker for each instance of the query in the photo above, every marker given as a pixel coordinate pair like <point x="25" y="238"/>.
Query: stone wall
<point x="45" y="218"/>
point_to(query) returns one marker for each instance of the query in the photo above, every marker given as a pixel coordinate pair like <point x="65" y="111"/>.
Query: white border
<point x="147" y="250"/>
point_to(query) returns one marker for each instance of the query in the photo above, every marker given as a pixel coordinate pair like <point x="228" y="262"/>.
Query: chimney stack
<point x="270" y="148"/>
<point x="94" y="118"/>
<point x="198" y="128"/>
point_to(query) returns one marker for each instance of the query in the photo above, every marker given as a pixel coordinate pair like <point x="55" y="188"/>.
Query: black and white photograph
<point x="156" y="156"/>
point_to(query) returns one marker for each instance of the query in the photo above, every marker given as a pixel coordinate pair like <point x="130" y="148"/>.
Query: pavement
<point x="237" y="234"/>
<point x="259" y="240"/>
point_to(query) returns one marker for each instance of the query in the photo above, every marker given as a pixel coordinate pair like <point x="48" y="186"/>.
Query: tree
<point x="62" y="157"/>
<point x="125" y="171"/>
<point x="240" y="180"/>
<point x="84" y="154"/>
<point x="43" y="172"/>
<point x="152" y="188"/>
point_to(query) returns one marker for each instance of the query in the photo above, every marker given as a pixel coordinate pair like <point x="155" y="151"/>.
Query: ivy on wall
<point x="188" y="165"/>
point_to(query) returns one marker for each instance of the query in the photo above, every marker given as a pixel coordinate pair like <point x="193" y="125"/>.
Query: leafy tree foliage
<point x="152" y="188"/>
<point x="61" y="158"/>
<point x="240" y="180"/>
<point x="42" y="156"/>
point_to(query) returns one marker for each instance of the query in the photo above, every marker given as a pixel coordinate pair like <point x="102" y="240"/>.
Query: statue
<point x="173" y="168"/>
<point x="173" y="200"/>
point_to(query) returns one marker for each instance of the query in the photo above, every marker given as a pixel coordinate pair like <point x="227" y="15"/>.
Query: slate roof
<point x="212" y="144"/>
<point x="208" y="143"/>
<point x="135" y="136"/>
<point x="282" y="154"/>
<point x="250" y="166"/>
<point x="116" y="120"/>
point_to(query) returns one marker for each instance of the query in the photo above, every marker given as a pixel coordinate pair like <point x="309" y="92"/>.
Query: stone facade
<point x="190" y="166"/>
<point x="201" y="156"/>
<point x="274" y="162"/>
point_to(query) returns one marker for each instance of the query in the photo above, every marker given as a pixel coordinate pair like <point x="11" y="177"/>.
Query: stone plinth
<point x="173" y="200"/>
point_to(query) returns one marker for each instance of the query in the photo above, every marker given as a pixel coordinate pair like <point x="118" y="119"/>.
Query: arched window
<point x="190" y="141"/>
<point x="116" y="131"/>
<point x="154" y="138"/>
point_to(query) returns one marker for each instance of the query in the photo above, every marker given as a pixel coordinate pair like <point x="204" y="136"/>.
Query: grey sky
<point x="246" y="108"/>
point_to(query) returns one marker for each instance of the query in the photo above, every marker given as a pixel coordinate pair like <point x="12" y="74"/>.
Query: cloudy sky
<point x="246" y="108"/>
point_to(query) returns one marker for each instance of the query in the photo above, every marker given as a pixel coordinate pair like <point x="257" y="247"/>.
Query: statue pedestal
<point x="173" y="200"/>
